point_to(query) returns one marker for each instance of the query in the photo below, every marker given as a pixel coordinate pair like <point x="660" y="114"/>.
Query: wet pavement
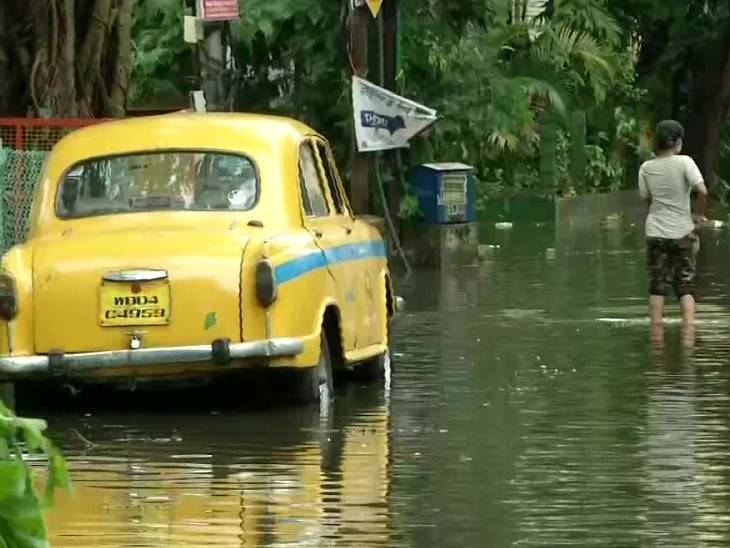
<point x="530" y="405"/>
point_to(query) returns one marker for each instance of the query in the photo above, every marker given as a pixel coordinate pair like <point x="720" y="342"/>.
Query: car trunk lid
<point x="166" y="287"/>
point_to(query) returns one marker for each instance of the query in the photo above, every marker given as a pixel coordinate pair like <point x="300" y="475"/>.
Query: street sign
<point x="384" y="120"/>
<point x="192" y="29"/>
<point x="218" y="10"/>
<point x="375" y="6"/>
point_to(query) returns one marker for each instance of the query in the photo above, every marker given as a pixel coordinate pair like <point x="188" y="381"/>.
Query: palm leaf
<point x="536" y="87"/>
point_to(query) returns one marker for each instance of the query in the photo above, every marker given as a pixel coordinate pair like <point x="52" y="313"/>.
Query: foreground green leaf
<point x="22" y="524"/>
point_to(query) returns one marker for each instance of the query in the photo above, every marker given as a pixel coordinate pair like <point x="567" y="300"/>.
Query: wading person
<point x="666" y="183"/>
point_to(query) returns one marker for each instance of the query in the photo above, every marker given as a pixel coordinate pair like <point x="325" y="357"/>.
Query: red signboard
<point x="219" y="10"/>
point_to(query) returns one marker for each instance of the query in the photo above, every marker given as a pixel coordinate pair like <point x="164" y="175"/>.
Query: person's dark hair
<point x="668" y="134"/>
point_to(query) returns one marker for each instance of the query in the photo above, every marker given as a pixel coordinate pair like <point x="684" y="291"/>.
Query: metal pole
<point x="213" y="67"/>
<point x="391" y="46"/>
<point x="360" y="164"/>
<point x="195" y="78"/>
<point x="389" y="52"/>
<point x="381" y="48"/>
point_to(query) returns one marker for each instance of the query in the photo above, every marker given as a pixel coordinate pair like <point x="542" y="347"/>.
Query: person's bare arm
<point x="700" y="203"/>
<point x="644" y="191"/>
<point x="699" y="190"/>
<point x="701" y="198"/>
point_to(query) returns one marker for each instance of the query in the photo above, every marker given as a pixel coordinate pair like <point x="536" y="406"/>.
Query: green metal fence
<point x="24" y="145"/>
<point x="20" y="172"/>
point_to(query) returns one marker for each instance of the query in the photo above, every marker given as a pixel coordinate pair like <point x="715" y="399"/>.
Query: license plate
<point x="146" y="303"/>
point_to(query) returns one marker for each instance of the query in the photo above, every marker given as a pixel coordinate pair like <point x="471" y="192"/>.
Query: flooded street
<point x="528" y="407"/>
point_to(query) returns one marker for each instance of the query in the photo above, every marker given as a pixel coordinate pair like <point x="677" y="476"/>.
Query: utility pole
<point x="213" y="57"/>
<point x="212" y="65"/>
<point x="389" y="72"/>
<point x="360" y="164"/>
<point x="389" y="14"/>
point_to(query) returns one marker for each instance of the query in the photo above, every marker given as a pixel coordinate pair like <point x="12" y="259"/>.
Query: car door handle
<point x="317" y="233"/>
<point x="348" y="230"/>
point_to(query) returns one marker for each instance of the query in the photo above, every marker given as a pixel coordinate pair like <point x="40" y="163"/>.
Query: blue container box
<point x="446" y="192"/>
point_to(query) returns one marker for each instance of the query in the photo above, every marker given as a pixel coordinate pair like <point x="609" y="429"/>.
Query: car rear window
<point x="155" y="181"/>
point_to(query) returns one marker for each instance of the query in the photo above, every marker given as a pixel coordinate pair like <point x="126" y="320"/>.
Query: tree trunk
<point x="66" y="70"/>
<point x="711" y="107"/>
<point x="90" y="56"/>
<point x="5" y="79"/>
<point x="65" y="57"/>
<point x="123" y="62"/>
<point x="40" y="74"/>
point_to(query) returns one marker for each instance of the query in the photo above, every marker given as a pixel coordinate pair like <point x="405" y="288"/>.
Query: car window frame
<point x="75" y="165"/>
<point x="303" y="187"/>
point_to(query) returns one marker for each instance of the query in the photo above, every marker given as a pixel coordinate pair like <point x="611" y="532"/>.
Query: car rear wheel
<point x="316" y="382"/>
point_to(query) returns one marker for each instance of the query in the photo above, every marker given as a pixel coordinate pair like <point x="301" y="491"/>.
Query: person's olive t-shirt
<point x="669" y="182"/>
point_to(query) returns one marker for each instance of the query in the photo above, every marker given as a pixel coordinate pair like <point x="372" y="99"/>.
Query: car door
<point x="324" y="222"/>
<point x="360" y="275"/>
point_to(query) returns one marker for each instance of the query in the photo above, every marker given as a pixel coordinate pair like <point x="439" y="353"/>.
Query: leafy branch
<point x="21" y="505"/>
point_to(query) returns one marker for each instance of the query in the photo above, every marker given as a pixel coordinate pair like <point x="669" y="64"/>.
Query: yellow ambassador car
<point x="182" y="246"/>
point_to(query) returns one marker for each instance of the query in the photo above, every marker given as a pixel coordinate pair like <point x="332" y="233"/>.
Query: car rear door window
<point x="330" y="173"/>
<point x="313" y="198"/>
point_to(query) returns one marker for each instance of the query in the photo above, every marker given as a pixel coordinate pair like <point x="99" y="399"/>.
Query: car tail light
<point x="8" y="297"/>
<point x="266" y="282"/>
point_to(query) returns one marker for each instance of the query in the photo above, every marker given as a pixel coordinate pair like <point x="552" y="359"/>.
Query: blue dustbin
<point x="446" y="192"/>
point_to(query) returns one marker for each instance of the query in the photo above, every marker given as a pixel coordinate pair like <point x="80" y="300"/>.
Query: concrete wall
<point x="442" y="246"/>
<point x="531" y="209"/>
<point x="597" y="209"/>
<point x="589" y="209"/>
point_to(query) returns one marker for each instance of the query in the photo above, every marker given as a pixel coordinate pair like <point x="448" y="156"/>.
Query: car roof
<point x="272" y="142"/>
<point x="224" y="131"/>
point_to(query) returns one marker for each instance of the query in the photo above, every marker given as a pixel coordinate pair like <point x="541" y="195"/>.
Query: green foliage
<point x="21" y="506"/>
<point x="409" y="209"/>
<point x="602" y="173"/>
<point x="294" y="60"/>
<point x="163" y="61"/>
<point x="681" y="51"/>
<point x="494" y="80"/>
<point x="491" y="68"/>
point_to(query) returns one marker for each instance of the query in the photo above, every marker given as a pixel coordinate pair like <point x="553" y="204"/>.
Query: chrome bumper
<point x="68" y="364"/>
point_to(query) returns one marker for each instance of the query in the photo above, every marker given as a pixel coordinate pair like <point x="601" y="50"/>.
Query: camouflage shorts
<point x="672" y="265"/>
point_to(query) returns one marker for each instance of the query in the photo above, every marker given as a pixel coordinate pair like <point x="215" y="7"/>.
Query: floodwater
<point x="530" y="405"/>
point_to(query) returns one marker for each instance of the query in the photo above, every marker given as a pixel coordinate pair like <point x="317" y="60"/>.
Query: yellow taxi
<point x="183" y="246"/>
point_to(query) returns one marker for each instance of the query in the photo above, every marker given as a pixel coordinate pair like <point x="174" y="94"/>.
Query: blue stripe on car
<point x="294" y="268"/>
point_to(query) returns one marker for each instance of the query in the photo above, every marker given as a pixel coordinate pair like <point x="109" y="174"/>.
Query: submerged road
<point x="529" y="406"/>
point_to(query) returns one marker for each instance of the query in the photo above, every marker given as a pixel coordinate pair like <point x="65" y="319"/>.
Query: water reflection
<point x="671" y="487"/>
<point x="275" y="478"/>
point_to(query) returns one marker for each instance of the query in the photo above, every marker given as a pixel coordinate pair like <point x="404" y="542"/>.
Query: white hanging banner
<point x="384" y="120"/>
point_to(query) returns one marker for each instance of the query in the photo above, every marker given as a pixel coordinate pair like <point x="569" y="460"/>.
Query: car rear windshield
<point x="159" y="181"/>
